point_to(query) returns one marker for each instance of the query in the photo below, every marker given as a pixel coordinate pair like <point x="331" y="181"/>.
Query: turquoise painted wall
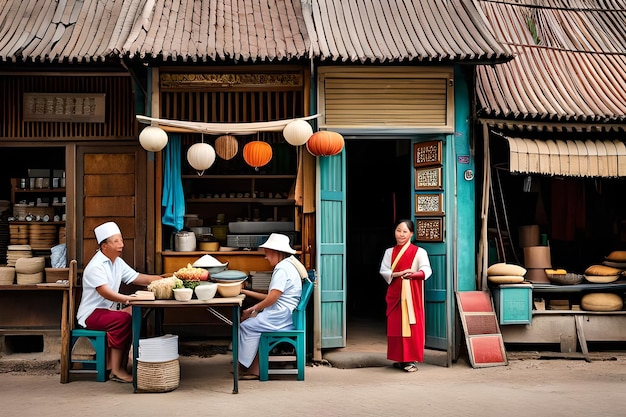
<point x="465" y="188"/>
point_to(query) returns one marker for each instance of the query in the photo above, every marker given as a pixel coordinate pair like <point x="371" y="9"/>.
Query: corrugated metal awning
<point x="575" y="158"/>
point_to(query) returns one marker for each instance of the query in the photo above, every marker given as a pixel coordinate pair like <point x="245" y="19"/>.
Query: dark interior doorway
<point x="378" y="193"/>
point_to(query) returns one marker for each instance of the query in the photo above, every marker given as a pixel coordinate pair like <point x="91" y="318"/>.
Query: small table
<point x="233" y="302"/>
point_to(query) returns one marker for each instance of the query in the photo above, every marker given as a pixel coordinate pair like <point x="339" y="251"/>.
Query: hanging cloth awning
<point x="574" y="158"/>
<point x="223" y="128"/>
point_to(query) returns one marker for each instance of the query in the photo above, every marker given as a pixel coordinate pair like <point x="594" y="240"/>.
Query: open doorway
<point x="378" y="193"/>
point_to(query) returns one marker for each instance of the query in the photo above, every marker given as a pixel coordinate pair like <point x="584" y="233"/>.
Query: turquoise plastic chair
<point x="295" y="337"/>
<point x="97" y="338"/>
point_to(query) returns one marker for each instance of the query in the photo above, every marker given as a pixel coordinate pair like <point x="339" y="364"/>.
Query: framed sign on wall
<point x="428" y="178"/>
<point x="428" y="204"/>
<point x="427" y="153"/>
<point x="429" y="229"/>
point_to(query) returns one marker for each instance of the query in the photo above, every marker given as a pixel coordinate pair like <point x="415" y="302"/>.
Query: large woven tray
<point x="565" y="279"/>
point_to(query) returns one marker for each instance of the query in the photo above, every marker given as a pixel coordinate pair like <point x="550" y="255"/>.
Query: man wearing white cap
<point x="102" y="278"/>
<point x="274" y="309"/>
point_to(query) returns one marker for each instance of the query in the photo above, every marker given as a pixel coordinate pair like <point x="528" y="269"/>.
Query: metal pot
<point x="185" y="242"/>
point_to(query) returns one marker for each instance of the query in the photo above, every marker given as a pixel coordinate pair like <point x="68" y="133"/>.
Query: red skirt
<point x="399" y="348"/>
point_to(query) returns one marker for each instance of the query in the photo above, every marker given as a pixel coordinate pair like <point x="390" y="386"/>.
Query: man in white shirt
<point x="101" y="282"/>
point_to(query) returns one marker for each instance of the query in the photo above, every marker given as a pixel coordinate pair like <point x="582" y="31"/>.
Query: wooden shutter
<point x="405" y="98"/>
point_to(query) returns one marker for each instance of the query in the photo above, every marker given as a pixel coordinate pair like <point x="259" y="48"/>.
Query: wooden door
<point x="112" y="187"/>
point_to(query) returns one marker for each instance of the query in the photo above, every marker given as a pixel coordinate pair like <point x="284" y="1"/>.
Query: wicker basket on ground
<point x="158" y="376"/>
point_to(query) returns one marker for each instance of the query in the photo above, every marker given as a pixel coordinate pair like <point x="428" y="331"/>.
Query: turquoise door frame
<point x="331" y="249"/>
<point x="453" y="260"/>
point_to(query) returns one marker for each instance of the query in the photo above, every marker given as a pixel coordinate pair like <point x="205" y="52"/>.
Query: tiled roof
<point x="218" y="30"/>
<point x="570" y="63"/>
<point x="401" y="30"/>
<point x="245" y="30"/>
<point x="92" y="30"/>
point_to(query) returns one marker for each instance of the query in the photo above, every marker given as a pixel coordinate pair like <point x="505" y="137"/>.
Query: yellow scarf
<point x="406" y="298"/>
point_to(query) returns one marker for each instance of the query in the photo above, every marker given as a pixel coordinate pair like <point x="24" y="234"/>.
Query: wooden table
<point x="160" y="305"/>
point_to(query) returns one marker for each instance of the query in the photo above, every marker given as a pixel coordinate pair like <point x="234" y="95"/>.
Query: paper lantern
<point x="226" y="147"/>
<point x="297" y="133"/>
<point x="201" y="156"/>
<point x="325" y="143"/>
<point x="257" y="153"/>
<point x="153" y="138"/>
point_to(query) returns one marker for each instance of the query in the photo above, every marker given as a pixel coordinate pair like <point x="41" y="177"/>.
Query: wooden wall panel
<point x="126" y="224"/>
<point x="110" y="206"/>
<point x="112" y="189"/>
<point x="119" y="122"/>
<point x="109" y="185"/>
<point x="113" y="163"/>
<point x="90" y="247"/>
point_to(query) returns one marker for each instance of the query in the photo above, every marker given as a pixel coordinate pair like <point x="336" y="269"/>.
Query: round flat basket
<point x="505" y="279"/>
<point x="158" y="376"/>
<point x="601" y="279"/>
<point x="566" y="279"/>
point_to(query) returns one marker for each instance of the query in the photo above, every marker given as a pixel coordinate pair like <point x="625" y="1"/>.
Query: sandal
<point x="116" y="378"/>
<point x="248" y="377"/>
<point x="410" y="367"/>
<point x="398" y="365"/>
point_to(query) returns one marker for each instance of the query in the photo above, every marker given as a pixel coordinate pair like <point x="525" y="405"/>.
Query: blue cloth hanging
<point x="173" y="200"/>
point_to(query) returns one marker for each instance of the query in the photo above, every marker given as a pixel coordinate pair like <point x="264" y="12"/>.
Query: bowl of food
<point x="206" y="291"/>
<point x="182" y="294"/>
<point x="210" y="264"/>
<point x="229" y="289"/>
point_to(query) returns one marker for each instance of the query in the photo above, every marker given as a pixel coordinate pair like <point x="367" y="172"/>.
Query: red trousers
<point x="117" y="324"/>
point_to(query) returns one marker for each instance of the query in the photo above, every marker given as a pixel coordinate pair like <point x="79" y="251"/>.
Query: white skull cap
<point x="106" y="230"/>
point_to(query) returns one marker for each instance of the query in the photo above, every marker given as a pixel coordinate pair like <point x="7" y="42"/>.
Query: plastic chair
<point x="97" y="338"/>
<point x="296" y="338"/>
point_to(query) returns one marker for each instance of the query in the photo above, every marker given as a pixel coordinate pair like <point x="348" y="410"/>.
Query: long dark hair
<point x="409" y="224"/>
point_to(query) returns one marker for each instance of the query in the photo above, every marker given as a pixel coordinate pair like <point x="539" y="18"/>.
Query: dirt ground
<point x="528" y="386"/>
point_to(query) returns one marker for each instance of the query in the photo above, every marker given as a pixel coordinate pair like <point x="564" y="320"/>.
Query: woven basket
<point x="158" y="376"/>
<point x="30" y="265"/>
<point x="7" y="275"/>
<point x="29" y="279"/>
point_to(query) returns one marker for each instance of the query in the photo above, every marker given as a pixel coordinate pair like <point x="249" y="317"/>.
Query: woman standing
<point x="405" y="266"/>
<point x="274" y="310"/>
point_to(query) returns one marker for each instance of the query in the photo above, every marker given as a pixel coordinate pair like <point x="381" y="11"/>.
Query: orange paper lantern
<point x="257" y="153"/>
<point x="325" y="143"/>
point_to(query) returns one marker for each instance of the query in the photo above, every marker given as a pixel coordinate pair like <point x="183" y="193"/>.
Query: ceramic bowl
<point x="183" y="294"/>
<point x="206" y="291"/>
<point x="229" y="289"/>
<point x="228" y="276"/>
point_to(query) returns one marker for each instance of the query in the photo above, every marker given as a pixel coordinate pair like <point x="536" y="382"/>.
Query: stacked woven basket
<point x="30" y="271"/>
<point x="18" y="234"/>
<point x="7" y="275"/>
<point x="15" y="252"/>
<point x="42" y="236"/>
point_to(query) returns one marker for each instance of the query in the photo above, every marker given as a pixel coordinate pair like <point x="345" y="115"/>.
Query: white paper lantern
<point x="201" y="156"/>
<point x="296" y="133"/>
<point x="153" y="138"/>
